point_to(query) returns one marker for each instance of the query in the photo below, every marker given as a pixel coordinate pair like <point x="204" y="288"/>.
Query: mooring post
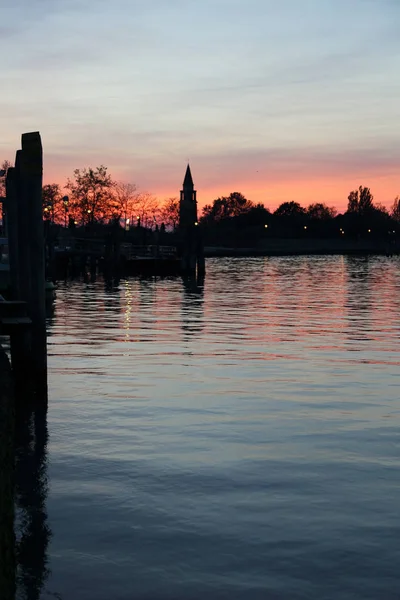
<point x="32" y="175"/>
<point x="23" y="227"/>
<point x="20" y="275"/>
<point x="12" y="218"/>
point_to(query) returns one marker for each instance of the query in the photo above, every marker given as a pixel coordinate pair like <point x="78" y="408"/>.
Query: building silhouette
<point x="188" y="202"/>
<point x="191" y="245"/>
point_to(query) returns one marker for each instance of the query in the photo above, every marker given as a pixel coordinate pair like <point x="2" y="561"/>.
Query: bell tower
<point x="188" y="202"/>
<point x="191" y="243"/>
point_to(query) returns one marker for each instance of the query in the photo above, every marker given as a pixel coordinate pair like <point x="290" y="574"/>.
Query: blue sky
<point x="279" y="100"/>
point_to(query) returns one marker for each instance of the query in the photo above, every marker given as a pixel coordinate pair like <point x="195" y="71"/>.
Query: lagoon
<point x="233" y="439"/>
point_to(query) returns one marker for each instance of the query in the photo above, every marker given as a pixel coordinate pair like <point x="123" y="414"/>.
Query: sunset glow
<point x="280" y="101"/>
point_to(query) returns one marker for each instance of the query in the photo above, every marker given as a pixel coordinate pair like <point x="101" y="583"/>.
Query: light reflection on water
<point x="234" y="440"/>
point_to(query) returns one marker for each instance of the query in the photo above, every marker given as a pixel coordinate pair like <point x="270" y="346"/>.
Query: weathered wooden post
<point x="23" y="227"/>
<point x="20" y="334"/>
<point x="31" y="196"/>
<point x="12" y="218"/>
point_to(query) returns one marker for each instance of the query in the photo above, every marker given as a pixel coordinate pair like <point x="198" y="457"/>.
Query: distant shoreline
<point x="296" y="247"/>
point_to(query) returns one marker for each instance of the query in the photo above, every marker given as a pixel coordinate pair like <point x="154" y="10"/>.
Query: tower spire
<point x="188" y="202"/>
<point x="188" y="181"/>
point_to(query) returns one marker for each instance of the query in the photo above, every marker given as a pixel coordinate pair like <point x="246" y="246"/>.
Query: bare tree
<point x="125" y="200"/>
<point x="53" y="208"/>
<point x="147" y="209"/>
<point x="5" y="165"/>
<point x="395" y="211"/>
<point x="91" y="195"/>
<point x="169" y="212"/>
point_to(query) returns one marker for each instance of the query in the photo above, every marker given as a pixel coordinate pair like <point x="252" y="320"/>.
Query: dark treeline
<point x="235" y="220"/>
<point x="92" y="198"/>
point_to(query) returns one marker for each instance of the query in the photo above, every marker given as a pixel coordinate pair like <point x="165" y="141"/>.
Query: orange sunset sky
<point x="296" y="100"/>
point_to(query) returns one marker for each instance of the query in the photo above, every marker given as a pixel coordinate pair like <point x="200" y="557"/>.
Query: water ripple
<point x="234" y="440"/>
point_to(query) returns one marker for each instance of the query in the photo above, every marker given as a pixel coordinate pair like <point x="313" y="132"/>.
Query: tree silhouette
<point x="91" y="196"/>
<point x="227" y="206"/>
<point x="321" y="212"/>
<point x="352" y="204"/>
<point x="4" y="166"/>
<point x="125" y="200"/>
<point x="147" y="209"/>
<point x="290" y="209"/>
<point x="365" y="200"/>
<point x="395" y="210"/>
<point x="169" y="213"/>
<point x="53" y="208"/>
<point x="360" y="201"/>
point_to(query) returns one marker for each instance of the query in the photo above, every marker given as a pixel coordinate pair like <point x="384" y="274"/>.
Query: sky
<point x="280" y="100"/>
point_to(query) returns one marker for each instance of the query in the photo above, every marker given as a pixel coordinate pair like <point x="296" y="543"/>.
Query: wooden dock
<point x="85" y="254"/>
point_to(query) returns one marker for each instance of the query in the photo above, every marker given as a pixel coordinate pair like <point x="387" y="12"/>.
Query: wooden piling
<point x="32" y="175"/>
<point x="23" y="227"/>
<point x="12" y="219"/>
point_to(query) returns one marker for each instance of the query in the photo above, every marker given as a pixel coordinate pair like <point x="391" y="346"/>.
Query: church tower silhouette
<point x="191" y="243"/>
<point x="188" y="202"/>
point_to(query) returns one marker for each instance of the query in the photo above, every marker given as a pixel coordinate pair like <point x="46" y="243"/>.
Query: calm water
<point x="235" y="440"/>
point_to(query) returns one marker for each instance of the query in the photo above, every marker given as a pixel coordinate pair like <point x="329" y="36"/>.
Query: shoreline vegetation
<point x="92" y="197"/>
<point x="99" y="209"/>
